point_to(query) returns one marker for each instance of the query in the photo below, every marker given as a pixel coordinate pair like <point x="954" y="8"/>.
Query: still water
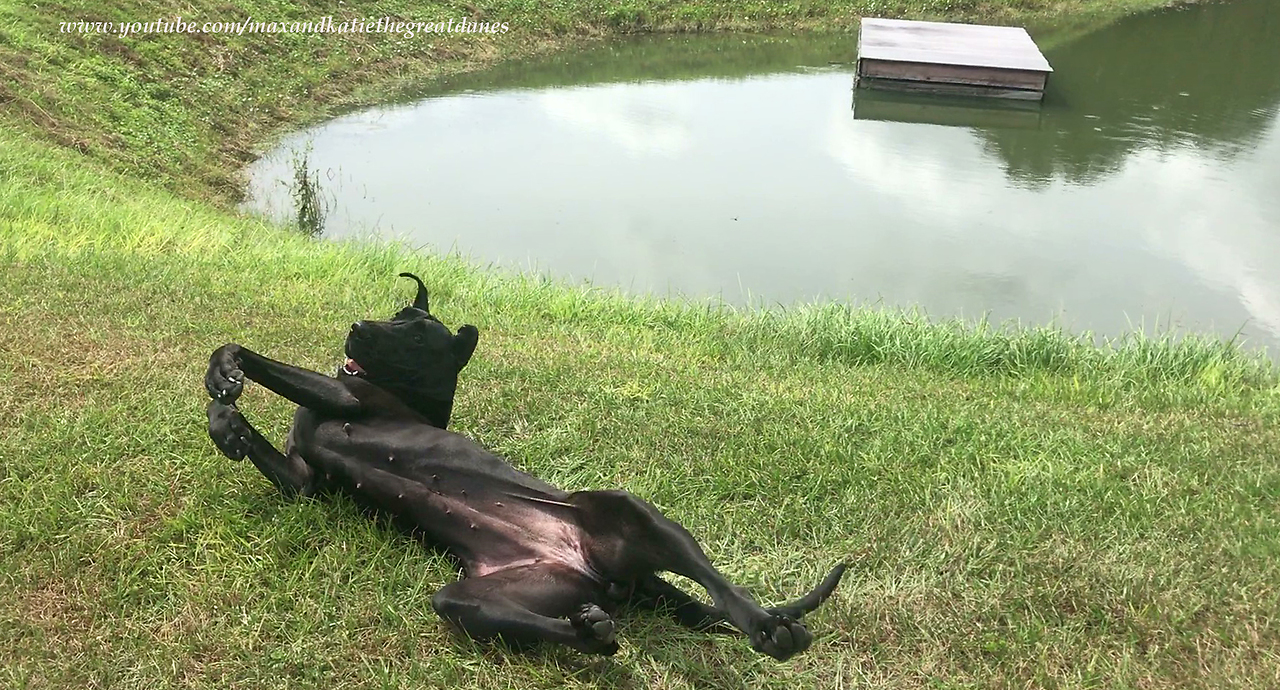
<point x="1143" y="193"/>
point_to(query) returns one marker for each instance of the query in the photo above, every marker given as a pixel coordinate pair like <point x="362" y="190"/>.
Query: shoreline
<point x="188" y="110"/>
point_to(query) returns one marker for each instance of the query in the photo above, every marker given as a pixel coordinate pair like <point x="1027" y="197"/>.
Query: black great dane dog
<point x="540" y="563"/>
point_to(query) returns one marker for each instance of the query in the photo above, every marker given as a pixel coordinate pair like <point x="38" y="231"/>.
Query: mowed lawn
<point x="1019" y="508"/>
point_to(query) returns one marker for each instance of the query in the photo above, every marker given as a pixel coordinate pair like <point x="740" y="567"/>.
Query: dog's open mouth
<point x="351" y="368"/>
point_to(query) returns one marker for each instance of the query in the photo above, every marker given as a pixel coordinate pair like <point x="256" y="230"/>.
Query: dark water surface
<point x="1146" y="188"/>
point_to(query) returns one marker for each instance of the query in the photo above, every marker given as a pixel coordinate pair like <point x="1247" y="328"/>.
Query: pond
<point x="1144" y="193"/>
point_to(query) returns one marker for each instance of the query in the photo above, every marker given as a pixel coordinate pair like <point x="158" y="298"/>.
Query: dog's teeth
<point x="359" y="484"/>
<point x="399" y="495"/>
<point x="391" y="458"/>
<point x="346" y="429"/>
<point x="498" y="503"/>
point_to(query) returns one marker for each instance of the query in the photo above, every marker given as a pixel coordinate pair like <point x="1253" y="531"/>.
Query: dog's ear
<point x="464" y="344"/>
<point x="420" y="301"/>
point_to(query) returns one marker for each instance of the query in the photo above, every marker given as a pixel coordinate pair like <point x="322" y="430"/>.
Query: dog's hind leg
<point x="237" y="439"/>
<point x="653" y="592"/>
<point x="529" y="604"/>
<point x="631" y="539"/>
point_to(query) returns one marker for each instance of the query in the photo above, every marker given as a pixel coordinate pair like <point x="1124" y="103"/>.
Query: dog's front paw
<point x="224" y="380"/>
<point x="781" y="637"/>
<point x="229" y="430"/>
<point x="597" y="633"/>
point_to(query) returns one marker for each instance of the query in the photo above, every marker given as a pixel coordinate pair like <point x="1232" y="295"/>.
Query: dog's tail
<point x="798" y="608"/>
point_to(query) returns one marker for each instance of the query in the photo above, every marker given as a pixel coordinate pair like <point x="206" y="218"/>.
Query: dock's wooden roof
<point x="1006" y="47"/>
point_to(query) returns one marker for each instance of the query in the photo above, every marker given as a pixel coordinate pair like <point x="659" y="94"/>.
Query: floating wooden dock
<point x="962" y="59"/>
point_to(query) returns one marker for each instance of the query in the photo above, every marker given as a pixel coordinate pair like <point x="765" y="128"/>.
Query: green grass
<point x="1021" y="507"/>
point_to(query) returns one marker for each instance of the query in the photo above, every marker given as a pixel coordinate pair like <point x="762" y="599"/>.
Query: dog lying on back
<point x="540" y="563"/>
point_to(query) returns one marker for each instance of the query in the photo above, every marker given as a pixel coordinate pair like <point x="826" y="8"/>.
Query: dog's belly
<point x="471" y="502"/>
<point x="491" y="530"/>
<point x="535" y="538"/>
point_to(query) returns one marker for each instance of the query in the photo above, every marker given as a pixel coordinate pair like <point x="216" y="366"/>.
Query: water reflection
<point x="1204" y="78"/>
<point x="1144" y="190"/>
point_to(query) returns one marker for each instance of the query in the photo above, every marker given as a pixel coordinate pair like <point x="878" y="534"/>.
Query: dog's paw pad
<point x="781" y="637"/>
<point x="229" y="430"/>
<point x="224" y="380"/>
<point x="596" y="629"/>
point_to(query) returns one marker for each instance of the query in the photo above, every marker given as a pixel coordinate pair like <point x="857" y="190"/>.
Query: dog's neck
<point x="436" y="412"/>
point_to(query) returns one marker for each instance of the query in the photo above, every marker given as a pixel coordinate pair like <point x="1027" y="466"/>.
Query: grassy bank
<point x="1021" y="508"/>
<point x="187" y="111"/>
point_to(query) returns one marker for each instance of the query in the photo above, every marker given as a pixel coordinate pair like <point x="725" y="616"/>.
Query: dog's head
<point x="413" y="355"/>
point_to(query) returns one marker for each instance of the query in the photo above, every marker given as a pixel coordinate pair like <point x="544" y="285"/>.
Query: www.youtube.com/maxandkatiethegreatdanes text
<point x="326" y="25"/>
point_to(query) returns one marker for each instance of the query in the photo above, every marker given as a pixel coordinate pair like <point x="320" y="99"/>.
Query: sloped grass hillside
<point x="1020" y="508"/>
